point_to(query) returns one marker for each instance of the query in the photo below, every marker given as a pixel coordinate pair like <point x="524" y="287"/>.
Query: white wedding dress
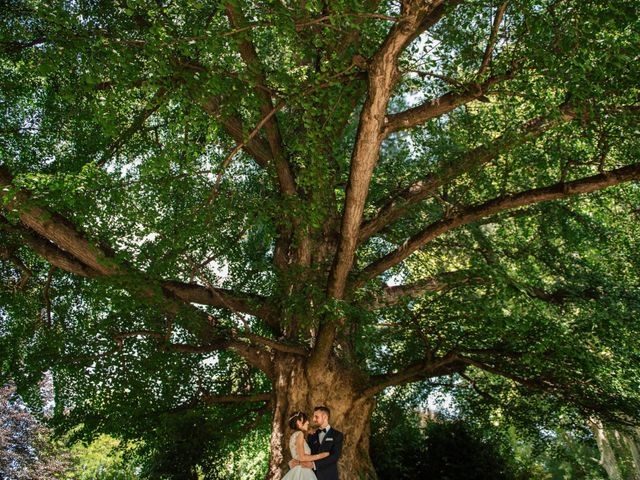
<point x="299" y="473"/>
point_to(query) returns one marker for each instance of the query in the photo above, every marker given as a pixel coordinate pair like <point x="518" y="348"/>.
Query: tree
<point x="305" y="203"/>
<point x="619" y="451"/>
<point x="100" y="460"/>
<point x="26" y="449"/>
<point x="407" y="443"/>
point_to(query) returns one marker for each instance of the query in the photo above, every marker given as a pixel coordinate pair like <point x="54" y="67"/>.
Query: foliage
<point x="549" y="444"/>
<point x="27" y="451"/>
<point x="397" y="438"/>
<point x="245" y="459"/>
<point x="571" y="454"/>
<point x="189" y="441"/>
<point x="618" y="445"/>
<point x="407" y="444"/>
<point x="464" y="440"/>
<point x="102" y="459"/>
<point x="181" y="445"/>
<point x="452" y="452"/>
<point x="195" y="196"/>
<point x="197" y="444"/>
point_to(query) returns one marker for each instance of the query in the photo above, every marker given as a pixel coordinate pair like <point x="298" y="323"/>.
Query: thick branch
<point x="17" y="46"/>
<point x="273" y="344"/>
<point x="421" y="370"/>
<point x="424" y="188"/>
<point x="251" y="59"/>
<point x="383" y="74"/>
<point x="55" y="228"/>
<point x="256" y="357"/>
<point x="437" y="107"/>
<point x="255" y="397"/>
<point x="212" y="341"/>
<point x="47" y="250"/>
<point x="187" y="292"/>
<point x="393" y="295"/>
<point x="221" y="298"/>
<point x="255" y="147"/>
<point x="59" y="242"/>
<point x="438" y="10"/>
<point x="477" y="212"/>
<point x="65" y="247"/>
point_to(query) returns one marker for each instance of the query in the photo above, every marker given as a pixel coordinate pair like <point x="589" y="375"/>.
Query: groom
<point x="325" y="439"/>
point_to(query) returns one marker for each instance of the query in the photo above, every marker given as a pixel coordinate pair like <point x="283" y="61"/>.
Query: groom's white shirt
<point x="322" y="435"/>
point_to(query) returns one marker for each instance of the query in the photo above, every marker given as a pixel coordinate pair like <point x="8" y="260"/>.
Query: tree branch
<point x="251" y="304"/>
<point x="383" y="75"/>
<point x="399" y="204"/>
<point x="477" y="212"/>
<point x="438" y="10"/>
<point x="492" y="38"/>
<point x="256" y="357"/>
<point x="47" y="250"/>
<point x="274" y="344"/>
<point x="54" y="228"/>
<point x="68" y="249"/>
<point x="64" y="246"/>
<point x="251" y="59"/>
<point x="10" y="47"/>
<point x="241" y="145"/>
<point x="557" y="296"/>
<point x="211" y="399"/>
<point x="233" y="125"/>
<point x="448" y="364"/>
<point x="536" y="384"/>
<point x="154" y="104"/>
<point x="8" y="254"/>
<point x="421" y="114"/>
<point x="390" y="296"/>
<point x="480" y="392"/>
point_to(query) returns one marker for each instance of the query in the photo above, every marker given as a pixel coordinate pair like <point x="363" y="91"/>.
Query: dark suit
<point x="327" y="468"/>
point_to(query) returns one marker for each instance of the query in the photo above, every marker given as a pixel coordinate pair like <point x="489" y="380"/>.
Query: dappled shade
<point x="256" y="207"/>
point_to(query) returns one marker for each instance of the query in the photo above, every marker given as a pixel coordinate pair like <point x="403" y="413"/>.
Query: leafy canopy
<point x="418" y="189"/>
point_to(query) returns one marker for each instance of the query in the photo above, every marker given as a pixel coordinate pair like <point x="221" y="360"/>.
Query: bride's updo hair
<point x="293" y="419"/>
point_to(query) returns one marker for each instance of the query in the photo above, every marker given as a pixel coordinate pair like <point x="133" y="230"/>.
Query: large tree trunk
<point x="296" y="387"/>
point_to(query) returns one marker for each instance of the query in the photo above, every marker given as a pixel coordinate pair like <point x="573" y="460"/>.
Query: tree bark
<point x="299" y="387"/>
<point x="619" y="452"/>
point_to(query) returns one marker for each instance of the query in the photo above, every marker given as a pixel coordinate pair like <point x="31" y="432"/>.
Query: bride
<point x="300" y="449"/>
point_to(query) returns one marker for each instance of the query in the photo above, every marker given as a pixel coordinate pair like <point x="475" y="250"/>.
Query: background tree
<point x="467" y="437"/>
<point x="619" y="449"/>
<point x="307" y="202"/>
<point x="27" y="451"/>
<point x="105" y="458"/>
<point x="408" y="443"/>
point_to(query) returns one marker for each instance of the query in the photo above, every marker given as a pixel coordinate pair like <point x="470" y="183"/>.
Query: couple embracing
<point x="315" y="452"/>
